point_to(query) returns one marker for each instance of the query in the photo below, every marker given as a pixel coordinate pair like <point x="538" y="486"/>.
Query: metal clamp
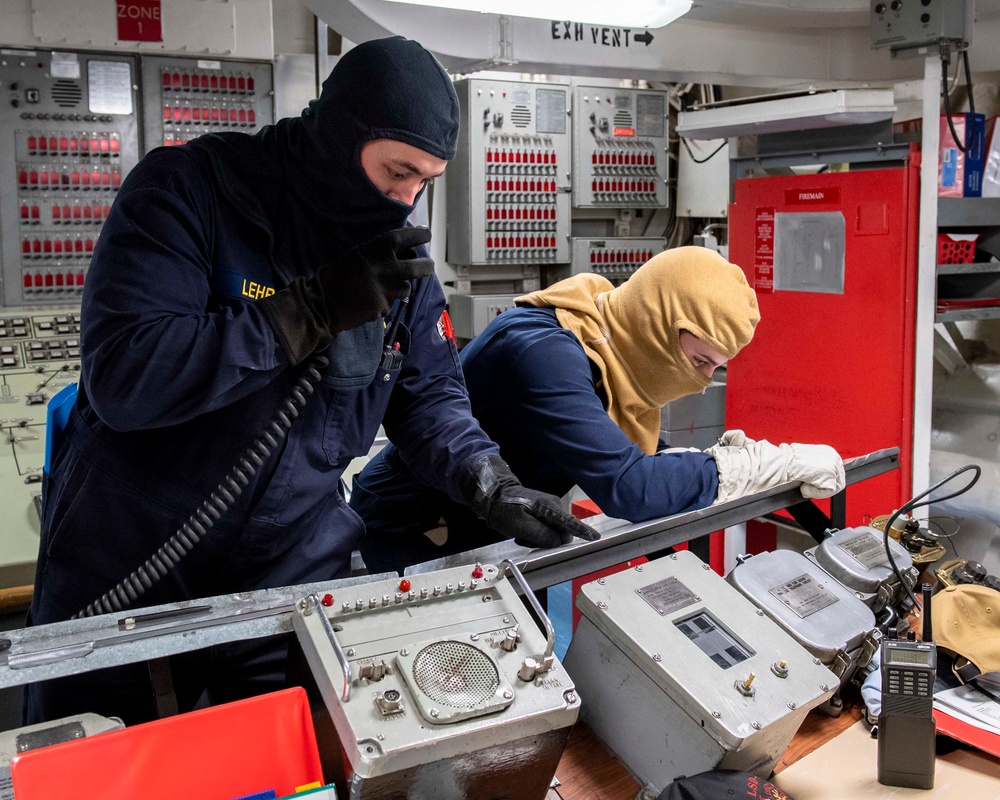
<point x="307" y="606"/>
<point x="870" y="645"/>
<point x="545" y="624"/>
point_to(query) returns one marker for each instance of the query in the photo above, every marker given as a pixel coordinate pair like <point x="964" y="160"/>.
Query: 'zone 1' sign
<point x="139" y="21"/>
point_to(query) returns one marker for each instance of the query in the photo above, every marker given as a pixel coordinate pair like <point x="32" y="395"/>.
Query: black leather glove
<point x="532" y="519"/>
<point x="356" y="288"/>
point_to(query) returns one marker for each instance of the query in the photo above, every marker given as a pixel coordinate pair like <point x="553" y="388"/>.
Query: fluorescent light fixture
<point x="807" y="112"/>
<point x="616" y="13"/>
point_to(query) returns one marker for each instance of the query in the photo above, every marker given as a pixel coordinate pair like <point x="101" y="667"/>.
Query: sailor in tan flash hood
<point x="571" y="384"/>
<point x="633" y="332"/>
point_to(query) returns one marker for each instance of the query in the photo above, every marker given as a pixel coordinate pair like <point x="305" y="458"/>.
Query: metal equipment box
<point x="856" y="557"/>
<point x="471" y="313"/>
<point x="437" y="685"/>
<point x="614" y="257"/>
<point x="824" y="616"/>
<point x="620" y="139"/>
<point x="509" y="184"/>
<point x="679" y="673"/>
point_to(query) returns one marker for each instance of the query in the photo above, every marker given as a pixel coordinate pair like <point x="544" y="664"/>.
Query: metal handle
<point x="546" y="625"/>
<point x="311" y="604"/>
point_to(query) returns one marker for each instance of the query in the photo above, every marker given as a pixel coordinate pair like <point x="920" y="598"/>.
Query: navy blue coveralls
<point x="180" y="372"/>
<point x="535" y="392"/>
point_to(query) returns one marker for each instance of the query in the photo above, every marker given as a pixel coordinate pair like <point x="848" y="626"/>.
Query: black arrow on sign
<point x="646" y="37"/>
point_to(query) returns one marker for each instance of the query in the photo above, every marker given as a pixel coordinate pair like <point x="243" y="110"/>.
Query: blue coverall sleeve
<point x="158" y="349"/>
<point x="550" y="390"/>
<point x="429" y="417"/>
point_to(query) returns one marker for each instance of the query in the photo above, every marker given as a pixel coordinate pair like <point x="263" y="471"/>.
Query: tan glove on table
<point x="747" y="466"/>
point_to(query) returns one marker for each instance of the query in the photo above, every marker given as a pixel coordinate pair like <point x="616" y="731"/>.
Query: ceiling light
<point x="807" y="112"/>
<point x="616" y="13"/>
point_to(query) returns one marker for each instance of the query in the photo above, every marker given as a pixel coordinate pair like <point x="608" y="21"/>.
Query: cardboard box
<point x="959" y="174"/>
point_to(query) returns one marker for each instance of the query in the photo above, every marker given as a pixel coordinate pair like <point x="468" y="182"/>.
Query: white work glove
<point x="757" y="465"/>
<point x="735" y="438"/>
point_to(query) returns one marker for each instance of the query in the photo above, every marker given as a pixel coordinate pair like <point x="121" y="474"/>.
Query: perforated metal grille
<point x="455" y="674"/>
<point x="67" y="94"/>
<point x="520" y="116"/>
<point x="623" y="119"/>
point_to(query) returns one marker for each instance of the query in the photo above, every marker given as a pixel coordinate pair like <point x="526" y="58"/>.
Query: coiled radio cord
<point x="218" y="503"/>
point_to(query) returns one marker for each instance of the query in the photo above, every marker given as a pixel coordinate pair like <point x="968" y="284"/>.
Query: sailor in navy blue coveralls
<point x="223" y="264"/>
<point x="536" y="393"/>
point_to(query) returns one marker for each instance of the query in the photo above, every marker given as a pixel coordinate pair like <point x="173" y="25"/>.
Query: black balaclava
<point x="304" y="173"/>
<point x="382" y="89"/>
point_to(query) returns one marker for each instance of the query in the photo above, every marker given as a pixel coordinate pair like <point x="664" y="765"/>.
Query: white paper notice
<point x="65" y="65"/>
<point x="110" y="84"/>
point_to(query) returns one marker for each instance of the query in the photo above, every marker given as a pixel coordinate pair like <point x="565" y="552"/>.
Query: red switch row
<point x="55" y="247"/>
<point x="503" y="242"/>
<point x="207" y="82"/>
<point x="520" y="212"/>
<point x="620" y="256"/>
<point x="87" y="214"/>
<point x="623" y="159"/>
<point x="52" y="279"/>
<point x="520" y="186"/>
<point x="209" y="115"/>
<point x="520" y="157"/>
<point x="71" y="178"/>
<point x="74" y="144"/>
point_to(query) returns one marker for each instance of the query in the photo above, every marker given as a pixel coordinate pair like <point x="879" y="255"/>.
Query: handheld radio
<point x="906" y="727"/>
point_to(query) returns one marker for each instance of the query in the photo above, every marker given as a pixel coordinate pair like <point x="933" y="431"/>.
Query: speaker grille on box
<point x="455" y="674"/>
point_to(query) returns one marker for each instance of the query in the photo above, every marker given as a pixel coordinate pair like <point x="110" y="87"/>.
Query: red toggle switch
<point x="327" y="600"/>
<point x="404" y="585"/>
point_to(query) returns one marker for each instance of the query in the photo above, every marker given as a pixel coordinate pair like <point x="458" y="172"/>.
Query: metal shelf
<point x="968" y="212"/>
<point x="960" y="314"/>
<point x="968" y="269"/>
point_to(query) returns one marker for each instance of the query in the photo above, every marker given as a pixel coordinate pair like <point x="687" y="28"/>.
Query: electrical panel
<point x="471" y="313"/>
<point x="902" y="24"/>
<point x="620" y="139"/>
<point x="614" y="258"/>
<point x="183" y="98"/>
<point x="68" y="136"/>
<point x="509" y="184"/>
<point x="39" y="355"/>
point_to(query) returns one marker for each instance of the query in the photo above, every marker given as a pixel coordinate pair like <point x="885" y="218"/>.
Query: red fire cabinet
<point x="832" y="360"/>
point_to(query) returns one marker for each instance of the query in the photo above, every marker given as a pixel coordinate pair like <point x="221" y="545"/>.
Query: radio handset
<point x="906" y="727"/>
<point x="133" y="587"/>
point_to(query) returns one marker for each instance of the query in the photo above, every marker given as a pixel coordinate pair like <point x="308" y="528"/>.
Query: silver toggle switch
<point x="509" y="642"/>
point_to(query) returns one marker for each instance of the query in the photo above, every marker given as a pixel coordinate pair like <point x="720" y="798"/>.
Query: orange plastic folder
<point x="218" y="753"/>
